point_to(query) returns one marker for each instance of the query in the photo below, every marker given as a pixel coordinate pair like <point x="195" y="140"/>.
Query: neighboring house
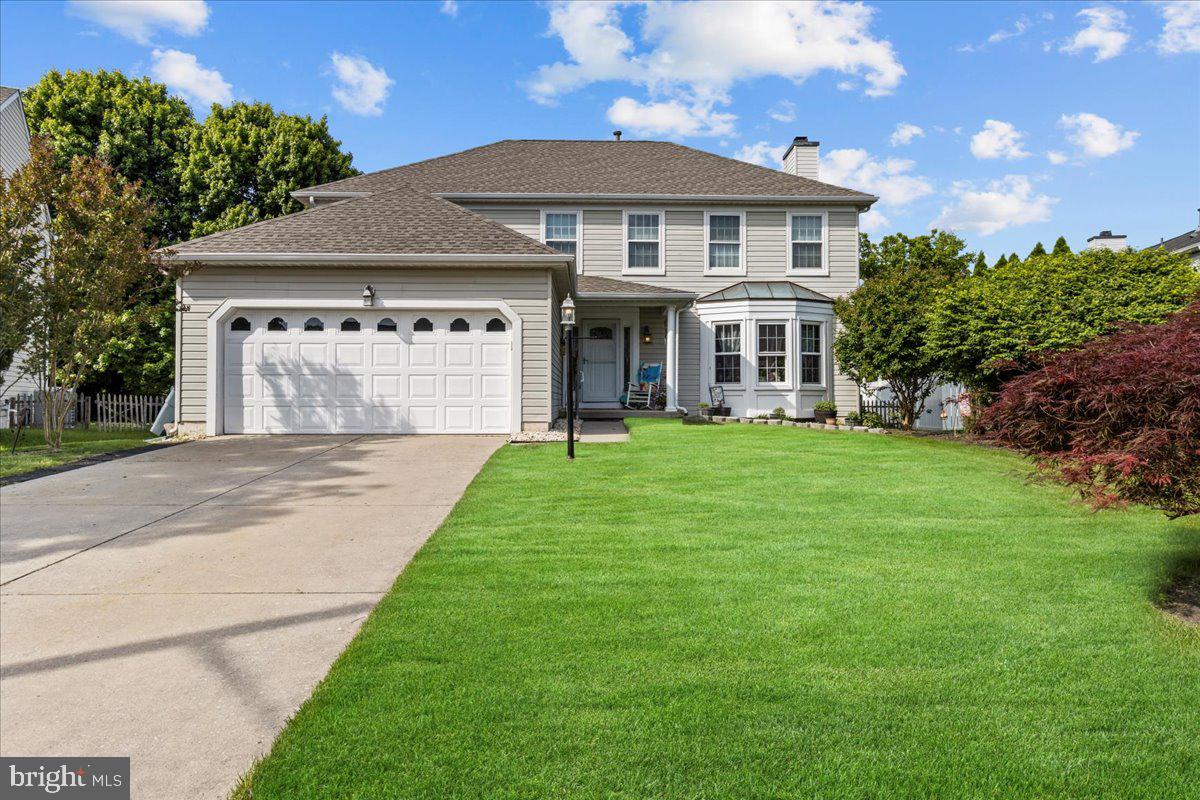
<point x="1185" y="243"/>
<point x="943" y="398"/>
<point x="425" y="298"/>
<point x="14" y="154"/>
<point x="1107" y="240"/>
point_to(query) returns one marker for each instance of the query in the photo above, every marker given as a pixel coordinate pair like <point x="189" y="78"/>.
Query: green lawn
<point x="32" y="453"/>
<point x="745" y="611"/>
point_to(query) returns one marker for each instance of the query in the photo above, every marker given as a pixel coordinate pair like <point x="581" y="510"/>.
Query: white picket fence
<point x="113" y="411"/>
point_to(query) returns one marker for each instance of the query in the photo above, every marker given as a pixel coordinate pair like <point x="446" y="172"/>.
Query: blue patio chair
<point x="642" y="393"/>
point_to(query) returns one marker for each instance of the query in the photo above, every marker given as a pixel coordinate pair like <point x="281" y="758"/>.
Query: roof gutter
<point x="380" y="259"/>
<point x="664" y="297"/>
<point x="559" y="197"/>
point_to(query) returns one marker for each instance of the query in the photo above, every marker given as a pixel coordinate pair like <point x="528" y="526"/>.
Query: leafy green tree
<point x="992" y="327"/>
<point x="244" y="161"/>
<point x="1061" y="248"/>
<point x="1038" y="250"/>
<point x="884" y="323"/>
<point x="82" y="267"/>
<point x="132" y="123"/>
<point x="980" y="265"/>
<point x="1000" y="262"/>
<point x="1013" y="258"/>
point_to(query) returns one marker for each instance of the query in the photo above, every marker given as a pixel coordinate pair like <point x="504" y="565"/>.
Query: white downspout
<point x="672" y="356"/>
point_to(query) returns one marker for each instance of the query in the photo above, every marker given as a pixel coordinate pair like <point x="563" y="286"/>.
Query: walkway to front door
<point x="598" y="361"/>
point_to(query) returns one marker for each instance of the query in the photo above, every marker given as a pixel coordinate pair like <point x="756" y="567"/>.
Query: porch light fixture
<point x="646" y="337"/>
<point x="368" y="295"/>
<point x="568" y="323"/>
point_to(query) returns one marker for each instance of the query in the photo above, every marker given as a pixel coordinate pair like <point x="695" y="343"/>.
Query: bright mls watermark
<point x="65" y="777"/>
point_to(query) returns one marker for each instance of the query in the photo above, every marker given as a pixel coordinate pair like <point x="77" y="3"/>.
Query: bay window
<point x="643" y="242"/>
<point x="810" y="353"/>
<point x="808" y="242"/>
<point x="727" y="353"/>
<point x="723" y="233"/>
<point x="772" y="352"/>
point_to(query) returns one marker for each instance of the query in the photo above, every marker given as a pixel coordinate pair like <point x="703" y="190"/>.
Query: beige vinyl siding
<point x="656" y="351"/>
<point x="14" y="138"/>
<point x="602" y="242"/>
<point x="525" y="290"/>
<point x="525" y="221"/>
<point x="689" y="393"/>
<point x="553" y="302"/>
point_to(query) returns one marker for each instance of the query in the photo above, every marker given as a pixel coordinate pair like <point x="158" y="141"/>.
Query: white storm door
<point x="598" y="361"/>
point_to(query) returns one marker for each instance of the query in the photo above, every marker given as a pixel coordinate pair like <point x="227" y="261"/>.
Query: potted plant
<point x="825" y="411"/>
<point x="705" y="410"/>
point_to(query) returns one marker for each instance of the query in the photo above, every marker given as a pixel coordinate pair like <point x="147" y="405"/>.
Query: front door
<point x="598" y="362"/>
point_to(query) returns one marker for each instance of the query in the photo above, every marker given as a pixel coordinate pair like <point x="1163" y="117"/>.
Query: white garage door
<point x="321" y="371"/>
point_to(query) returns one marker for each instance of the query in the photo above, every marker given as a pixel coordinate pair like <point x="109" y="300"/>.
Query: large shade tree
<point x="132" y="123"/>
<point x="76" y="253"/>
<point x="235" y="167"/>
<point x="884" y="323"/>
<point x="244" y="161"/>
<point x="1000" y="324"/>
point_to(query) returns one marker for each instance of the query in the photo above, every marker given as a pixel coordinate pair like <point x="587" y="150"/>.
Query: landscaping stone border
<point x="791" y="423"/>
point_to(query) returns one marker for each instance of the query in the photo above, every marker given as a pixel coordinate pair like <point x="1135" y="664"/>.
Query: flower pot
<point x="828" y="417"/>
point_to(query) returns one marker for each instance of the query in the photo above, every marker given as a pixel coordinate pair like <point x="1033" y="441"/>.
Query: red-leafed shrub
<point x="1118" y="418"/>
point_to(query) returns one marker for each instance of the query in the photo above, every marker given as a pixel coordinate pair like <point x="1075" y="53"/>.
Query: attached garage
<point x="397" y="313"/>
<point x="322" y="370"/>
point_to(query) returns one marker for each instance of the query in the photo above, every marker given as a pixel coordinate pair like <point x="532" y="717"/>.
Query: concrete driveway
<point x="178" y="606"/>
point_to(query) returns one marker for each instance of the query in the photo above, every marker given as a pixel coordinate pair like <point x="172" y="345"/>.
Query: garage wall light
<point x="368" y="295"/>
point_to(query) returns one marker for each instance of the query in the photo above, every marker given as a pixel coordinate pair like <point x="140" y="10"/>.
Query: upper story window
<point x="562" y="231"/>
<point x="727" y="357"/>
<point x="644" y="242"/>
<point x="808" y="243"/>
<point x="723" y="232"/>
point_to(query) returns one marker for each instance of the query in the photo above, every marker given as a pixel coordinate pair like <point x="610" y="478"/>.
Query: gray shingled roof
<point x="593" y="284"/>
<point x="6" y="92"/>
<point x="567" y="167"/>
<point x="402" y="221"/>
<point x="765" y="290"/>
<point x="1189" y="239"/>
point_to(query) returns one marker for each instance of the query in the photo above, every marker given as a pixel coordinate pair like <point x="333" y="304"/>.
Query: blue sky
<point x="1009" y="122"/>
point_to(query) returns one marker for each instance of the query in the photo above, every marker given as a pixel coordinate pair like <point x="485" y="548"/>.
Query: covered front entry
<point x="600" y="367"/>
<point x="321" y="370"/>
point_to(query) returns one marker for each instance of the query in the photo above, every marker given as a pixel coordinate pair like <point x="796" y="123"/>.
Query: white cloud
<point x="670" y="118"/>
<point x="1019" y="27"/>
<point x="1181" y="27"/>
<point x="783" y="111"/>
<point x="449" y="8"/>
<point x="139" y="19"/>
<point x="362" y="87"/>
<point x="1106" y="32"/>
<point x="904" y="134"/>
<point x="1057" y="158"/>
<point x="887" y="178"/>
<point x="845" y="86"/>
<point x="764" y="154"/>
<point x="185" y="75"/>
<point x="693" y="54"/>
<point x="998" y="139"/>
<point x="1095" y="136"/>
<point x="873" y="221"/>
<point x="1004" y="203"/>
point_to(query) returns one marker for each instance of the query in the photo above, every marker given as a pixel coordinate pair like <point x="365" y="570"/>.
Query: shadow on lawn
<point x="1180" y="591"/>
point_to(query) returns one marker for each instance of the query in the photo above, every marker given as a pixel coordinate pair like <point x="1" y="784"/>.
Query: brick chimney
<point x="1107" y="240"/>
<point x="803" y="158"/>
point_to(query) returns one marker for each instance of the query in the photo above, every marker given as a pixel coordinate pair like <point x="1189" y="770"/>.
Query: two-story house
<point x="425" y="298"/>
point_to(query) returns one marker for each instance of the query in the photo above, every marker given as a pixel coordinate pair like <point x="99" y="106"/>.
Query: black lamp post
<point x="568" y="323"/>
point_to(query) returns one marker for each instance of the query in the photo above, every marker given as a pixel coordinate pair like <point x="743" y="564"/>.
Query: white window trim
<point x="800" y="321"/>
<point x="741" y="215"/>
<point x="741" y="353"/>
<point x="578" y="212"/>
<point x="662" y="242"/>
<point x="809" y="212"/>
<point x="789" y="365"/>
